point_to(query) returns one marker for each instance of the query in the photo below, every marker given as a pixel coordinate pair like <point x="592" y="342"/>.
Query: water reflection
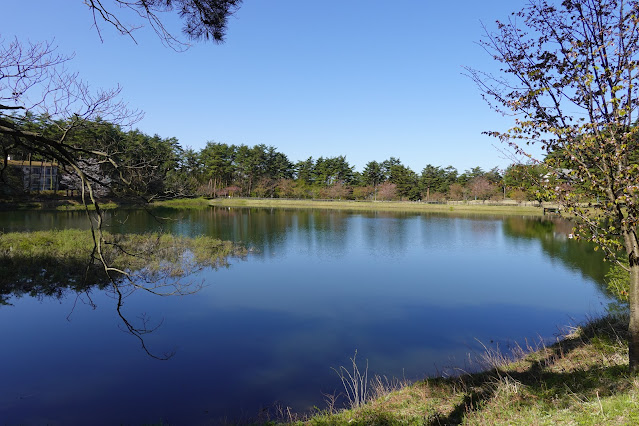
<point x="552" y="234"/>
<point x="410" y="292"/>
<point x="58" y="264"/>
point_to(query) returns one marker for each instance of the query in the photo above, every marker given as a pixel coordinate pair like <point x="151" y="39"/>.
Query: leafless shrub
<point x="355" y="382"/>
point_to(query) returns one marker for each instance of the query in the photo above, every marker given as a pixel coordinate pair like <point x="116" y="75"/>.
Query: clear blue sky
<point x="368" y="79"/>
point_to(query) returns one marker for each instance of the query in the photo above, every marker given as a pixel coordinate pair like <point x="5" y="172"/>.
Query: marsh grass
<point x="13" y="206"/>
<point x="72" y="205"/>
<point x="62" y="203"/>
<point x="48" y="263"/>
<point x="581" y="379"/>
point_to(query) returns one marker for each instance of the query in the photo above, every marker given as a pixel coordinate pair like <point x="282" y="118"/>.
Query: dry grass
<point x="581" y="379"/>
<point x="399" y="206"/>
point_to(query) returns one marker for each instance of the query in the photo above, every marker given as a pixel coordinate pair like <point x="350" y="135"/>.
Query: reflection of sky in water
<point x="411" y="293"/>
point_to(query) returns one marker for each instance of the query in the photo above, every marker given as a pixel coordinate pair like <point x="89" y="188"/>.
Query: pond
<point x="414" y="294"/>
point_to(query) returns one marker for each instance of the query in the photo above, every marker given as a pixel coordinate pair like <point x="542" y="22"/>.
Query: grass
<point x="581" y="379"/>
<point x="73" y="205"/>
<point x="64" y="204"/>
<point x="47" y="263"/>
<point x="183" y="203"/>
<point x="404" y="206"/>
<point x="48" y="200"/>
<point x="67" y="204"/>
<point x="12" y="205"/>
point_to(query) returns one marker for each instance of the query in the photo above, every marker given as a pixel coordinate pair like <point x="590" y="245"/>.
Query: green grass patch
<point x="183" y="203"/>
<point x="46" y="263"/>
<point x="75" y="206"/>
<point x="19" y="205"/>
<point x="399" y="206"/>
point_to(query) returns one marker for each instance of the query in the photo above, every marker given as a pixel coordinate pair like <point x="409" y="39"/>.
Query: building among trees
<point x="35" y="175"/>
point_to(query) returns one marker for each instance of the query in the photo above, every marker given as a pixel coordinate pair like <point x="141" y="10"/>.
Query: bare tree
<point x="35" y="86"/>
<point x="387" y="191"/>
<point x="480" y="187"/>
<point x="43" y="106"/>
<point x="35" y="82"/>
<point x="457" y="192"/>
<point x="91" y="167"/>
<point x="46" y="110"/>
<point x="569" y="74"/>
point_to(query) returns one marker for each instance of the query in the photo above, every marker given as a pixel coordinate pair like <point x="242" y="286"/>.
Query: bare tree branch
<point x="203" y="19"/>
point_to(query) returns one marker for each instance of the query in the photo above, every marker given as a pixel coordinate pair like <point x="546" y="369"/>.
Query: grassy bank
<point x="404" y="206"/>
<point x="52" y="203"/>
<point x="67" y="204"/>
<point x="183" y="203"/>
<point x="72" y="204"/>
<point x="582" y="379"/>
<point x="178" y="204"/>
<point x="48" y="262"/>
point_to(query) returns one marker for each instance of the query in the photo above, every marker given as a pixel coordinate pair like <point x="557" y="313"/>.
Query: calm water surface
<point x="413" y="294"/>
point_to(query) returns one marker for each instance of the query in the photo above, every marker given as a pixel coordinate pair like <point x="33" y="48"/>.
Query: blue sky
<point x="368" y="79"/>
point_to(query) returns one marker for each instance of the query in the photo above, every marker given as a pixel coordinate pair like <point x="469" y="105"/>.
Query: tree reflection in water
<point x="57" y="264"/>
<point x="552" y="234"/>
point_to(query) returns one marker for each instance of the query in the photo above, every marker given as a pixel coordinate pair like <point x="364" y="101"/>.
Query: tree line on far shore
<point x="159" y="167"/>
<point x="156" y="167"/>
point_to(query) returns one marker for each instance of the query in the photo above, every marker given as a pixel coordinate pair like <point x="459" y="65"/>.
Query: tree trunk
<point x="633" y="326"/>
<point x="632" y="248"/>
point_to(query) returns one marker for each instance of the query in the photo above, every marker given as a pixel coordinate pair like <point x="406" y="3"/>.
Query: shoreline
<point x="489" y="208"/>
<point x="507" y="207"/>
<point x="583" y="378"/>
